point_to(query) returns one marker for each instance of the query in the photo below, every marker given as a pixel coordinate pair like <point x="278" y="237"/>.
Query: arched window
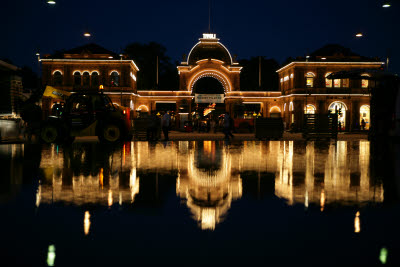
<point x="310" y="79"/>
<point x="328" y="82"/>
<point x="340" y="108"/>
<point x="364" y="82"/>
<point x="57" y="78"/>
<point x="291" y="106"/>
<point x="86" y="79"/>
<point x="95" y="79"/>
<point x="114" y="78"/>
<point x="364" y="116"/>
<point x="309" y="109"/>
<point x="77" y="78"/>
<point x="284" y="107"/>
<point x="275" y="112"/>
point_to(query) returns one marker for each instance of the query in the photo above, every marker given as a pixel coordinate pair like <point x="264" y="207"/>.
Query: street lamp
<point x="359" y="35"/>
<point x="386" y="4"/>
<point x="50" y="2"/>
<point x="87" y="34"/>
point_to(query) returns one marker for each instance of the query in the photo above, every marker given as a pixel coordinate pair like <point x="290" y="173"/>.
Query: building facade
<point x="90" y="67"/>
<point x="209" y="85"/>
<point x="305" y="88"/>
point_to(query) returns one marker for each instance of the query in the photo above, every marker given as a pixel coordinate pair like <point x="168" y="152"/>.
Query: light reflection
<point x="383" y="255"/>
<point x="357" y="227"/>
<point x="110" y="198"/>
<point x="38" y="195"/>
<point x="133" y="184"/>
<point x="86" y="223"/>
<point x="322" y="202"/>
<point x="209" y="176"/>
<point x="51" y="255"/>
<point x="101" y="178"/>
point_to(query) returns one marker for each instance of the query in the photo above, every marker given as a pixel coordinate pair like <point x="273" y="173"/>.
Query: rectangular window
<point x="310" y="82"/>
<point x="364" y="83"/>
<point x="328" y="83"/>
<point x="336" y="83"/>
<point x="345" y="83"/>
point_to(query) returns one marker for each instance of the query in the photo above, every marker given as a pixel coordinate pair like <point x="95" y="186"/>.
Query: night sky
<point x="274" y="29"/>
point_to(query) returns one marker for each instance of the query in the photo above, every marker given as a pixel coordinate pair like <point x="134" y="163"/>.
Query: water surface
<point x="192" y="202"/>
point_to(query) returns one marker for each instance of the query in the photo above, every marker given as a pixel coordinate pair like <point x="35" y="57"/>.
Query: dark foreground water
<point x="200" y="203"/>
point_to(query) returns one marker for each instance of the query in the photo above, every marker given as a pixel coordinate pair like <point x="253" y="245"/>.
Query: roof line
<point x="330" y="62"/>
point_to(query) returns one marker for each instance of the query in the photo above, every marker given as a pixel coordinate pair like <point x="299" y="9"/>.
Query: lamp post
<point x="120" y="78"/>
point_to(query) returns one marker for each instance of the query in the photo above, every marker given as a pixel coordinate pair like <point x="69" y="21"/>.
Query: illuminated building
<point x="210" y="75"/>
<point x="90" y="67"/>
<point x="305" y="88"/>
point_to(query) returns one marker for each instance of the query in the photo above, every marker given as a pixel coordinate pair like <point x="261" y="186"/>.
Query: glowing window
<point x="336" y="83"/>
<point x="364" y="117"/>
<point x="345" y="83"/>
<point x="328" y="82"/>
<point x="309" y="109"/>
<point x="275" y="109"/>
<point x="364" y="82"/>
<point x="310" y="79"/>
<point x="291" y="106"/>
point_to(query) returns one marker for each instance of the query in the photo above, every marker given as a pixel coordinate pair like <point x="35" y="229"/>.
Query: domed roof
<point x="209" y="48"/>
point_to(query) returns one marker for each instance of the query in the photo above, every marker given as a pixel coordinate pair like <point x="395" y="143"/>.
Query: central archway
<point x="209" y="99"/>
<point x="224" y="81"/>
<point x="208" y="85"/>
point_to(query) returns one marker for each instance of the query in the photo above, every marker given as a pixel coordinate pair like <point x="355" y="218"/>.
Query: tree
<point x="145" y="56"/>
<point x="249" y="77"/>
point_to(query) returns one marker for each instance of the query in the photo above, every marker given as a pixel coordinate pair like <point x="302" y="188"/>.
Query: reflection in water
<point x="357" y="227"/>
<point x="209" y="176"/>
<point x="383" y="255"/>
<point x="51" y="255"/>
<point x="38" y="195"/>
<point x="86" y="223"/>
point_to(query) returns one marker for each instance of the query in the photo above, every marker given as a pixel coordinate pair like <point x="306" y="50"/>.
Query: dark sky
<point x="275" y="29"/>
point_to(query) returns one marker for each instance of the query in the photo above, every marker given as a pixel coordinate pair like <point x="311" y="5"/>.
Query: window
<point x="339" y="108"/>
<point x="310" y="79"/>
<point x="57" y="77"/>
<point x="328" y="82"/>
<point x="114" y="78"/>
<point x="364" y="82"/>
<point x="364" y="117"/>
<point x="77" y="78"/>
<point x="309" y="109"/>
<point x="86" y="79"/>
<point x="95" y="79"/>
<point x="345" y="83"/>
<point x="336" y="83"/>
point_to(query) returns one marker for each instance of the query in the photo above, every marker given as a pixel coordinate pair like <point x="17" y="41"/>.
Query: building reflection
<point x="209" y="176"/>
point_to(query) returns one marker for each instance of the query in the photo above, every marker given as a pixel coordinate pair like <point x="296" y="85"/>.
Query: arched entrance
<point x="365" y="115"/>
<point x="309" y="109"/>
<point x="208" y="102"/>
<point x="340" y="108"/>
<point x="210" y="73"/>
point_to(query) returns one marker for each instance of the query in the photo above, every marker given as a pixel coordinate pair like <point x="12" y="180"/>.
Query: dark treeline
<point x="250" y="75"/>
<point x="145" y="57"/>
